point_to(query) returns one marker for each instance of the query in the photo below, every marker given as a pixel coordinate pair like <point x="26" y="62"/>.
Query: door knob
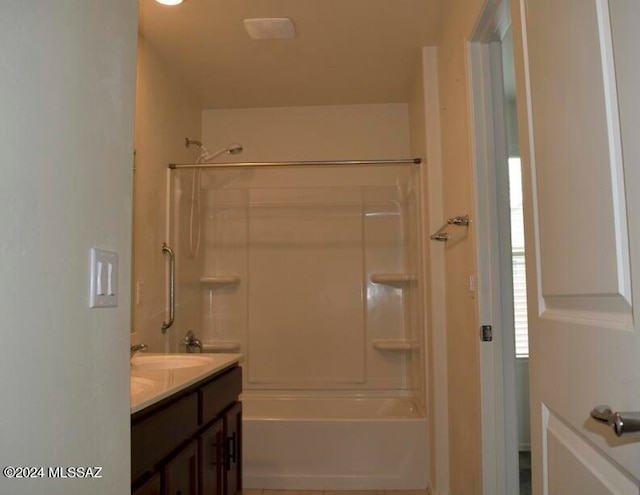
<point x="622" y="423"/>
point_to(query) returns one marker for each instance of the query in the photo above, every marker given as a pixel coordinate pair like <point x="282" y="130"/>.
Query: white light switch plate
<point x="103" y="279"/>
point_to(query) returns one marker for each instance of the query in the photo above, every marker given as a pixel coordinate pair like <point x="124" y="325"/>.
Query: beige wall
<point x="458" y="20"/>
<point x="166" y="113"/>
<point x="425" y="134"/>
<point x="66" y="134"/>
<point x="423" y="127"/>
<point x="311" y="133"/>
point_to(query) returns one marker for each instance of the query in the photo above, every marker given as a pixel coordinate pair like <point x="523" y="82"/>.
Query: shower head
<point x="206" y="155"/>
<point x="233" y="149"/>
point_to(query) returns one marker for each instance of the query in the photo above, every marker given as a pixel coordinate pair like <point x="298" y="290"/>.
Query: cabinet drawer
<point x="155" y="437"/>
<point x="219" y="394"/>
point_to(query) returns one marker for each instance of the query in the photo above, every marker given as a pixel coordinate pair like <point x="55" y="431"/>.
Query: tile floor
<point x="333" y="492"/>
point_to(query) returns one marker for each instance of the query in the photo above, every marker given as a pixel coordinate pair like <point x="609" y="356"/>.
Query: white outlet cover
<point x="103" y="279"/>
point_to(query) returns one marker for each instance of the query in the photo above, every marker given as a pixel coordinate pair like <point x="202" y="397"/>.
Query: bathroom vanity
<point x="186" y="431"/>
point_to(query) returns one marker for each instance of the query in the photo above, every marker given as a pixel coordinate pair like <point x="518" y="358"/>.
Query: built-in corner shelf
<point x="393" y="279"/>
<point x="395" y="345"/>
<point x="219" y="281"/>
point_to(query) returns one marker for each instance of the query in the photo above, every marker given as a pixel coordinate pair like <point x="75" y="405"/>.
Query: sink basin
<point x="168" y="361"/>
<point x="139" y="385"/>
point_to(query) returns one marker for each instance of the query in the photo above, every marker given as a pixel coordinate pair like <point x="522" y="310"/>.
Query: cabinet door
<point x="211" y="459"/>
<point x="180" y="474"/>
<point x="233" y="449"/>
<point x="151" y="487"/>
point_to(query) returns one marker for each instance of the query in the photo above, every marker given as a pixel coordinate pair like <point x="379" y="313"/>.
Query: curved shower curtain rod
<point x="415" y="161"/>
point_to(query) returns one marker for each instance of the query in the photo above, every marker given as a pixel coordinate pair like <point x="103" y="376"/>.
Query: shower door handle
<point x="172" y="287"/>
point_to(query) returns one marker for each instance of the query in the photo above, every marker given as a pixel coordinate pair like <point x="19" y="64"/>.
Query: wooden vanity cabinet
<point x="190" y="443"/>
<point x="211" y="453"/>
<point x="150" y="487"/>
<point x="180" y="473"/>
<point x="232" y="420"/>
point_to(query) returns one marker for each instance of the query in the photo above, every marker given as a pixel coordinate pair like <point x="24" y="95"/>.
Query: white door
<point x="579" y="61"/>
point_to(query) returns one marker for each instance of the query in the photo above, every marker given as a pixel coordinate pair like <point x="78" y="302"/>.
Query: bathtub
<point x="333" y="443"/>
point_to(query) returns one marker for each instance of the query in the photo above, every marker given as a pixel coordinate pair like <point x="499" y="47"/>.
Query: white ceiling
<point x="345" y="51"/>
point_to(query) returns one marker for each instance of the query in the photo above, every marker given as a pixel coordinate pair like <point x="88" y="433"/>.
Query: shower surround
<point x="314" y="273"/>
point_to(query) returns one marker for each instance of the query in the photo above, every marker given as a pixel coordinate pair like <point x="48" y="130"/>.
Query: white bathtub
<point x="333" y="443"/>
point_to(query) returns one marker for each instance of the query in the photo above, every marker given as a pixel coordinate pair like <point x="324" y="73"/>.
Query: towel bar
<point x="441" y="235"/>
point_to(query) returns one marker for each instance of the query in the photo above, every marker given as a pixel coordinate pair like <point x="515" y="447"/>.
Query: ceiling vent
<point x="270" y="28"/>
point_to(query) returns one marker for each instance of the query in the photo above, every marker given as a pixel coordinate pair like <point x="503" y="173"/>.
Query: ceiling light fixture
<point x="170" y="2"/>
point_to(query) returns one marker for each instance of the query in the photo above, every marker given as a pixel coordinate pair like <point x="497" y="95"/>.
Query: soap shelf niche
<point x="398" y="345"/>
<point x="219" y="281"/>
<point x="393" y="279"/>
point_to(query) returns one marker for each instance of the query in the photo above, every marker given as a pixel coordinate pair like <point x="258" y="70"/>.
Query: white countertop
<point x="153" y="377"/>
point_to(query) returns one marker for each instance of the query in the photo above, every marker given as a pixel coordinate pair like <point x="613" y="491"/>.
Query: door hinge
<point x="486" y="333"/>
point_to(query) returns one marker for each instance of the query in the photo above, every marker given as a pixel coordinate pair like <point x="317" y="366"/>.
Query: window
<point x="517" y="257"/>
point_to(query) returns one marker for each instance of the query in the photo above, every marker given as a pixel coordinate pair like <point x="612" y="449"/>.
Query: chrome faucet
<point x="191" y="343"/>
<point x="135" y="349"/>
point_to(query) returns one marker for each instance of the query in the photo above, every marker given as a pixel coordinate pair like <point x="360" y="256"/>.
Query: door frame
<point x="495" y="281"/>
